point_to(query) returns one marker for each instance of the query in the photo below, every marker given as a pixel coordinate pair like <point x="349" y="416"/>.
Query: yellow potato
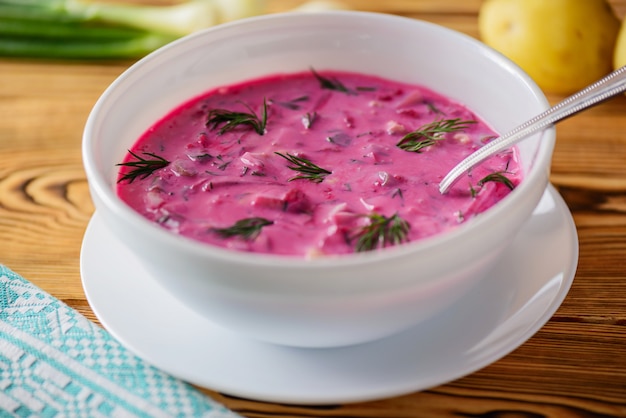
<point x="564" y="45"/>
<point x="620" y="48"/>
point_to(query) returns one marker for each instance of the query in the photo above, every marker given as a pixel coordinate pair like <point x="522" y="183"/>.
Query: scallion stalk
<point x="177" y="20"/>
<point x="51" y="30"/>
<point x="79" y="29"/>
<point x="92" y="29"/>
<point x="81" y="49"/>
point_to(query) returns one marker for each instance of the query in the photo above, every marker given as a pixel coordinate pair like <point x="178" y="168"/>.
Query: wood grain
<point x="575" y="366"/>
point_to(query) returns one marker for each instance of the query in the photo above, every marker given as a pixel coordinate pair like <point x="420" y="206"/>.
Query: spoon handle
<point x="607" y="87"/>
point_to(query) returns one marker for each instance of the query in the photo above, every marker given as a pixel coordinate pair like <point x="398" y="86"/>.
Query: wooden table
<point x="575" y="366"/>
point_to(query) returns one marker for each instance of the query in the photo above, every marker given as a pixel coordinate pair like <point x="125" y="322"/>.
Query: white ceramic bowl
<point x="337" y="300"/>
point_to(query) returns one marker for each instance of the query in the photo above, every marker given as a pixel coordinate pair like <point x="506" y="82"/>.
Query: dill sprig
<point x="430" y="133"/>
<point x="248" y="228"/>
<point x="308" y="170"/>
<point x="291" y="104"/>
<point x="232" y="120"/>
<point x="331" y="83"/>
<point x="381" y="232"/>
<point x="497" y="177"/>
<point x="143" y="167"/>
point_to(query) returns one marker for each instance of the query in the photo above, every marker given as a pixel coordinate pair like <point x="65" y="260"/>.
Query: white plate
<point x="516" y="299"/>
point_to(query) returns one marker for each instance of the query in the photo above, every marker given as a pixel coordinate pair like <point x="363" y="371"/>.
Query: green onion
<point x="80" y="29"/>
<point x="85" y="29"/>
<point x="49" y="30"/>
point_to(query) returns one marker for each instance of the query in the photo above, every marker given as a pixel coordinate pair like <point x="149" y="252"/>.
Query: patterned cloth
<point x="54" y="362"/>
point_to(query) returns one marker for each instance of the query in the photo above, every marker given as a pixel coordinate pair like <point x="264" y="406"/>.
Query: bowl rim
<point x="100" y="186"/>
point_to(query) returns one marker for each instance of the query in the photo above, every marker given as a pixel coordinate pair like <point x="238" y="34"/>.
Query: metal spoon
<point x="596" y="93"/>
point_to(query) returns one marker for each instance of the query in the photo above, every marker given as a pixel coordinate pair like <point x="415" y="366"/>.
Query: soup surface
<point x="313" y="163"/>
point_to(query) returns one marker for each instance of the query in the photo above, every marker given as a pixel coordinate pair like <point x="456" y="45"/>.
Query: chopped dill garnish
<point x="143" y="167"/>
<point x="331" y="83"/>
<point x="201" y="157"/>
<point x="431" y="106"/>
<point x="223" y="164"/>
<point x="163" y="219"/>
<point x="397" y="192"/>
<point x="291" y="104"/>
<point x="430" y="133"/>
<point x="382" y="232"/>
<point x="308" y="170"/>
<point x="248" y="228"/>
<point x="232" y="120"/>
<point x="497" y="177"/>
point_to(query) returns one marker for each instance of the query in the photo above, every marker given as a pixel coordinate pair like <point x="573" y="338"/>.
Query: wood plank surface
<point x="575" y="366"/>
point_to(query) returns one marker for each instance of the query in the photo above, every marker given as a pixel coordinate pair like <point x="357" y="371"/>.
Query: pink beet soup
<point x="313" y="164"/>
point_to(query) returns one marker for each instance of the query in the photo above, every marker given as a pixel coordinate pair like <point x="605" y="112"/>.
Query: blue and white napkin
<point x="54" y="362"/>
